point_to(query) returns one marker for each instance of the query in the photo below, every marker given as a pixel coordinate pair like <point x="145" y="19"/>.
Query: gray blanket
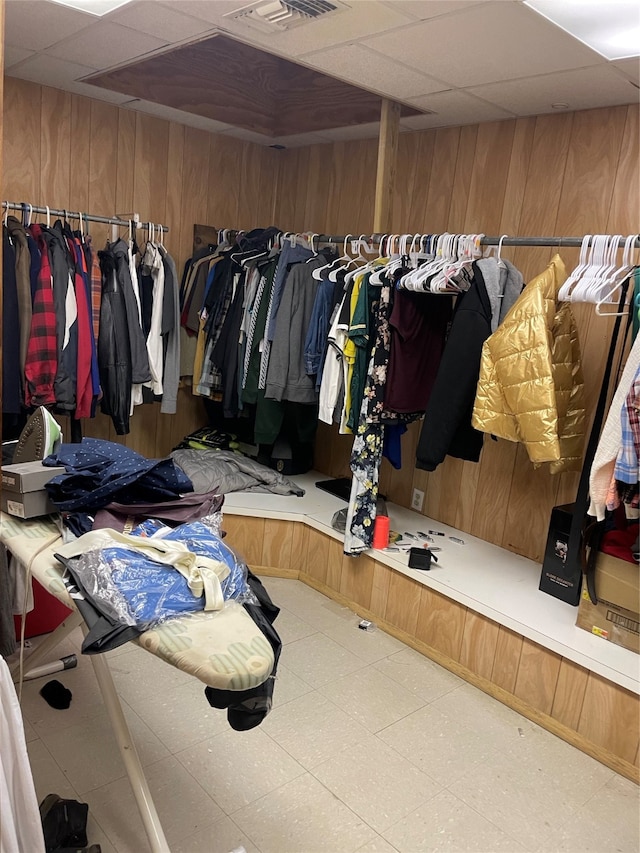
<point x="226" y="472"/>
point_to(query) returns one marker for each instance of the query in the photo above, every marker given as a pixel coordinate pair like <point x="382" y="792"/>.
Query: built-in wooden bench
<point x="478" y="613"/>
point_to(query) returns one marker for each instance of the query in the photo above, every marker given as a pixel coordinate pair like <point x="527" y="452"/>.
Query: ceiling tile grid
<point x="358" y="64"/>
<point x="155" y="19"/>
<point x="465" y="60"/>
<point x="486" y="43"/>
<point x="105" y="44"/>
<point x="578" y="88"/>
<point x="39" y="23"/>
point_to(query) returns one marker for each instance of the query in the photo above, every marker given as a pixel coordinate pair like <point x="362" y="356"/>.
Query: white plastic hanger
<point x="596" y="262"/>
<point x="603" y="276"/>
<point x="606" y="297"/>
<point x="565" y="291"/>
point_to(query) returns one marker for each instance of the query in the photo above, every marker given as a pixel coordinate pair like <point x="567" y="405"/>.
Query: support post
<point x="387" y="157"/>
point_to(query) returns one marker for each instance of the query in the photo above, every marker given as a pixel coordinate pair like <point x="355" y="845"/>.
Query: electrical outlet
<point x="417" y="500"/>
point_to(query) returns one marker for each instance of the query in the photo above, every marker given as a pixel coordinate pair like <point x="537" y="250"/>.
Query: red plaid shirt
<point x="42" y="351"/>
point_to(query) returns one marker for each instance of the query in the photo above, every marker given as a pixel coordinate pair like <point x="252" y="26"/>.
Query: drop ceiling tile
<point x="105" y="44"/>
<point x="171" y="114"/>
<point x="581" y="89"/>
<point x="39" y="24"/>
<point x="50" y="71"/>
<point x="486" y="43"/>
<point x="365" y="18"/>
<point x="204" y="10"/>
<point x="356" y="64"/>
<point x="453" y="107"/>
<point x="423" y="9"/>
<point x="630" y="68"/>
<point x="154" y="19"/>
<point x="13" y="55"/>
<point x="354" y="131"/>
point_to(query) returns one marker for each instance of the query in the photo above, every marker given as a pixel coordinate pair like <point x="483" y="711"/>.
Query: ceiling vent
<point x="270" y="16"/>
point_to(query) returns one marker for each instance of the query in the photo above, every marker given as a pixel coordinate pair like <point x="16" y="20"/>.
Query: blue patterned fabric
<point x="99" y="472"/>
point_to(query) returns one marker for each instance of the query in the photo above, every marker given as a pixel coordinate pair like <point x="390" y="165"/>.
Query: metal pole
<point x="90" y="217"/>
<point x="565" y="242"/>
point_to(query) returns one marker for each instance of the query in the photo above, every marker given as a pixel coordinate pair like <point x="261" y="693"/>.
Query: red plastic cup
<point x="381" y="532"/>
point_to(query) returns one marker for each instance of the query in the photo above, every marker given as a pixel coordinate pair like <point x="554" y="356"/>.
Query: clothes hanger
<point x="5" y="204"/>
<point x="605" y="274"/>
<point x="596" y="262"/>
<point x="344" y="261"/>
<point x="564" y="293"/>
<point x="618" y="278"/>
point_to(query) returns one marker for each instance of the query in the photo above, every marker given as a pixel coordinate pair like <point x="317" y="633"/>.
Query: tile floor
<point x="370" y="748"/>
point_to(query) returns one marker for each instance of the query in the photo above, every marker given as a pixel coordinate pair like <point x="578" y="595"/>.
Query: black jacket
<point x="140" y="371"/>
<point x="446" y="429"/>
<point x="63" y="275"/>
<point x="114" y="353"/>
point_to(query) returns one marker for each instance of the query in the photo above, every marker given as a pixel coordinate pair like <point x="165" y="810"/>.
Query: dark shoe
<point x="39" y="437"/>
<point x="64" y="823"/>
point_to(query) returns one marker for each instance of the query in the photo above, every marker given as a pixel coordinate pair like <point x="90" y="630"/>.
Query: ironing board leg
<point x="129" y="754"/>
<point x="46" y="646"/>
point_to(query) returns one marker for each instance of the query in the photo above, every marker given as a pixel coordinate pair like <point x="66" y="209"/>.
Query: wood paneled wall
<point x="569" y="174"/>
<point x="68" y="151"/>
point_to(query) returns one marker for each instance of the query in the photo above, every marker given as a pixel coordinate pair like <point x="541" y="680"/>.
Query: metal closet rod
<point x="71" y="214"/>
<point x="567" y="242"/>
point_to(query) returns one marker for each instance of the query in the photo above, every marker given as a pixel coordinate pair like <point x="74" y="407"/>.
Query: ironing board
<point x="184" y="642"/>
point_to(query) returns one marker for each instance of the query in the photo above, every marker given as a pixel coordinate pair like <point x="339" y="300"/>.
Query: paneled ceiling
<point x="464" y="61"/>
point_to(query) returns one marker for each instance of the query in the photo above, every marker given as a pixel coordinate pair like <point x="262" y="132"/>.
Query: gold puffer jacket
<point x="531" y="388"/>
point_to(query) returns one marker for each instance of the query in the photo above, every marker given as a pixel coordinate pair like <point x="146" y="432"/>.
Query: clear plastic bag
<point x="137" y="590"/>
<point x="94" y="572"/>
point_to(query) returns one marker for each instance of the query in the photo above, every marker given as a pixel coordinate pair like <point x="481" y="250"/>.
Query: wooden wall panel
<point x="507" y="659"/>
<point x="356" y="582"/>
<point x="537" y="676"/>
<point x="335" y="557"/>
<point x="610" y="717"/>
<point x="22" y="141"/>
<point x="245" y="535"/>
<point x="479" y="641"/>
<point x="440" y="623"/>
<point x="78" y="147"/>
<point x="276" y="545"/>
<point x="317" y="556"/>
<point x="403" y="602"/>
<point x="569" y="695"/>
<point x="55" y="129"/>
<point x="572" y="173"/>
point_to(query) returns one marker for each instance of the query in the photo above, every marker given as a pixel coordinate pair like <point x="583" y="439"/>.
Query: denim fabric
<point x="315" y="345"/>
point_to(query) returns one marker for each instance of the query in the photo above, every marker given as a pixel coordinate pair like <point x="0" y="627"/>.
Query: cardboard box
<point x="616" y="616"/>
<point x="559" y="579"/>
<point x="27" y="476"/>
<point x="27" y="505"/>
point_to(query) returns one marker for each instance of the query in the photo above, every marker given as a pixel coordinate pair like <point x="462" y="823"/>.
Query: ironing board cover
<point x="225" y="650"/>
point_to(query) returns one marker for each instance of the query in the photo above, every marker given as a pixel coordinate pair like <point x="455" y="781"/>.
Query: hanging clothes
<point x="18" y="235"/>
<point x="447" y="427"/>
<point x="531" y="388"/>
<point x="66" y="308"/>
<point x="612" y="439"/>
<point x="11" y="386"/>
